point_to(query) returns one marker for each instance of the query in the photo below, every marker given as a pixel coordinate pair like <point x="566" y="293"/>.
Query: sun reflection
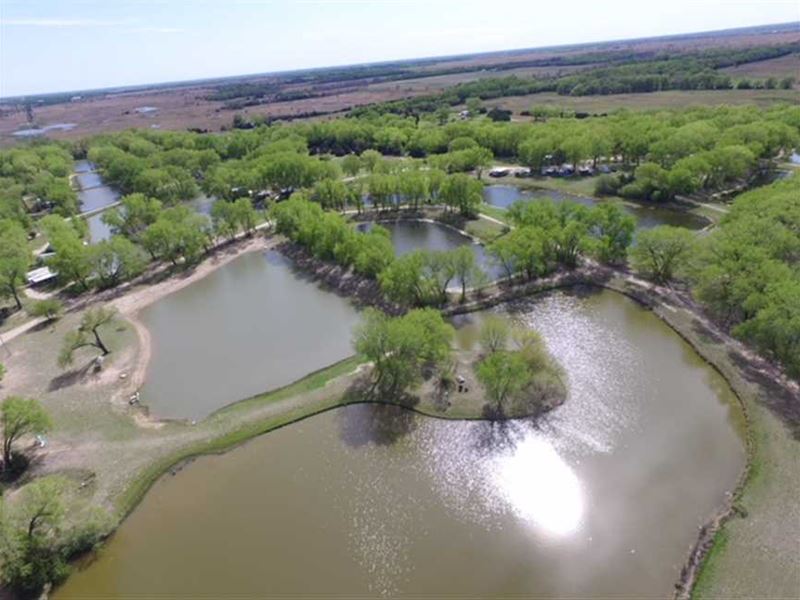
<point x="540" y="486"/>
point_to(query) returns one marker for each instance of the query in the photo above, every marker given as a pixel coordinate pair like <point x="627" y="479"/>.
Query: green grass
<point x="496" y="213"/>
<point x="485" y="230"/>
<point x="653" y="101"/>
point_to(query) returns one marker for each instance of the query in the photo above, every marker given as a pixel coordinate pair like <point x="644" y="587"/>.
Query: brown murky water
<point x="602" y="497"/>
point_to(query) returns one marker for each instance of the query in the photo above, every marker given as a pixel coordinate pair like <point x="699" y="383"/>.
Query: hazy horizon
<point x="55" y="47"/>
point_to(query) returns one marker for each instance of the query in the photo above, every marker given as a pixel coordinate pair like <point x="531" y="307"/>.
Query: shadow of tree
<point x="373" y="420"/>
<point x="70" y="377"/>
<point x="494" y="434"/>
<point x="782" y="402"/>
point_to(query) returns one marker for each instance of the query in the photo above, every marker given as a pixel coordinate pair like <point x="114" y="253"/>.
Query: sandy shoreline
<point x="130" y="304"/>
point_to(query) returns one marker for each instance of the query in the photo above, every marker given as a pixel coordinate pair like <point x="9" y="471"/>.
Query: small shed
<point x="40" y="275"/>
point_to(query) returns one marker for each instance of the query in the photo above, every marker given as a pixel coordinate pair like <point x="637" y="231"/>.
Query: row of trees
<point x="628" y="73"/>
<point x="329" y="236"/>
<point x="418" y="278"/>
<point x="143" y="231"/>
<point x="745" y="272"/>
<point x="548" y="235"/>
<point x="682" y="151"/>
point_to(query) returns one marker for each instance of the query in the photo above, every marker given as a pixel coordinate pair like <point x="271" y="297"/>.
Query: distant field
<point x="783" y="66"/>
<point x="437" y="83"/>
<point x="656" y="100"/>
<point x="182" y="106"/>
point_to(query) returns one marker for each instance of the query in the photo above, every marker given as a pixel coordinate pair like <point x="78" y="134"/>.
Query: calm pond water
<point x="91" y="196"/>
<point x="601" y="498"/>
<point x="37" y="131"/>
<point x="413" y="235"/>
<point x="248" y="327"/>
<point x="647" y="217"/>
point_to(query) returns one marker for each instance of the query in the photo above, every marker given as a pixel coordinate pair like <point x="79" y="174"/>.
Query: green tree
<point x="136" y="213"/>
<point x="20" y="417"/>
<point x="15" y="259"/>
<point x="503" y="374"/>
<point x="662" y="252"/>
<point x="474" y="106"/>
<point x="49" y="308"/>
<point x="612" y="229"/>
<point x="403" y="280"/>
<point x="87" y="334"/>
<point x="223" y="219"/>
<point x="369" y="159"/>
<point x="775" y="328"/>
<point x="494" y="334"/>
<point x="245" y="215"/>
<point x="414" y="188"/>
<point x="30" y="554"/>
<point x="462" y="193"/>
<point x="351" y="165"/>
<point x="400" y="347"/>
<point x="466" y="268"/>
<point x="330" y="194"/>
<point x="178" y="233"/>
<point x="533" y="153"/>
<point x="72" y="259"/>
<point x="116" y="259"/>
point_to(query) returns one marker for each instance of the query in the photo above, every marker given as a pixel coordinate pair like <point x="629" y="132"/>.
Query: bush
<point x="50" y="308"/>
<point x="606" y="185"/>
<point x="634" y="191"/>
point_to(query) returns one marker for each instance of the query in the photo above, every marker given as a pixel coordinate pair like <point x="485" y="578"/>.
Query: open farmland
<point x="307" y="94"/>
<point x="783" y="66"/>
<point x="654" y="101"/>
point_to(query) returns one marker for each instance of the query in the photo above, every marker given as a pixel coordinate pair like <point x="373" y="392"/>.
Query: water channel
<point x="647" y="217"/>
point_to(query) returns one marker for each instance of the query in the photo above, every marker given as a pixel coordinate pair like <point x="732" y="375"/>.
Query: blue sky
<point x="52" y="45"/>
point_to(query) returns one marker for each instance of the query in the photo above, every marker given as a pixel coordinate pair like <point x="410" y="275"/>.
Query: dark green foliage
<point x="746" y="272"/>
<point x="401" y="347"/>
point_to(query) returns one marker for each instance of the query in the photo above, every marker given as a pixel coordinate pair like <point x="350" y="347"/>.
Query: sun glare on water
<point x="540" y="487"/>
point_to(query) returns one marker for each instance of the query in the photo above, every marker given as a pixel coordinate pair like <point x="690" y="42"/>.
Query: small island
<point x="503" y="372"/>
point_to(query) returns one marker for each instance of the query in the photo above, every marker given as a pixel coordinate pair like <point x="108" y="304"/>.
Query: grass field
<point x="783" y="66"/>
<point x="654" y="101"/>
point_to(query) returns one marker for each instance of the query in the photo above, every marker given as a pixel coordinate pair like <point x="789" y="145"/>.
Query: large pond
<point x="601" y="498"/>
<point x="647" y="217"/>
<point x="248" y="327"/>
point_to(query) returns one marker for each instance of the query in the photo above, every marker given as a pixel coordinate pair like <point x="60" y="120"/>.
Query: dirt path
<point x="134" y="295"/>
<point x="134" y="301"/>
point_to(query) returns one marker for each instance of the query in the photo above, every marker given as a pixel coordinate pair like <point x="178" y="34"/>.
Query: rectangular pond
<point x="253" y="325"/>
